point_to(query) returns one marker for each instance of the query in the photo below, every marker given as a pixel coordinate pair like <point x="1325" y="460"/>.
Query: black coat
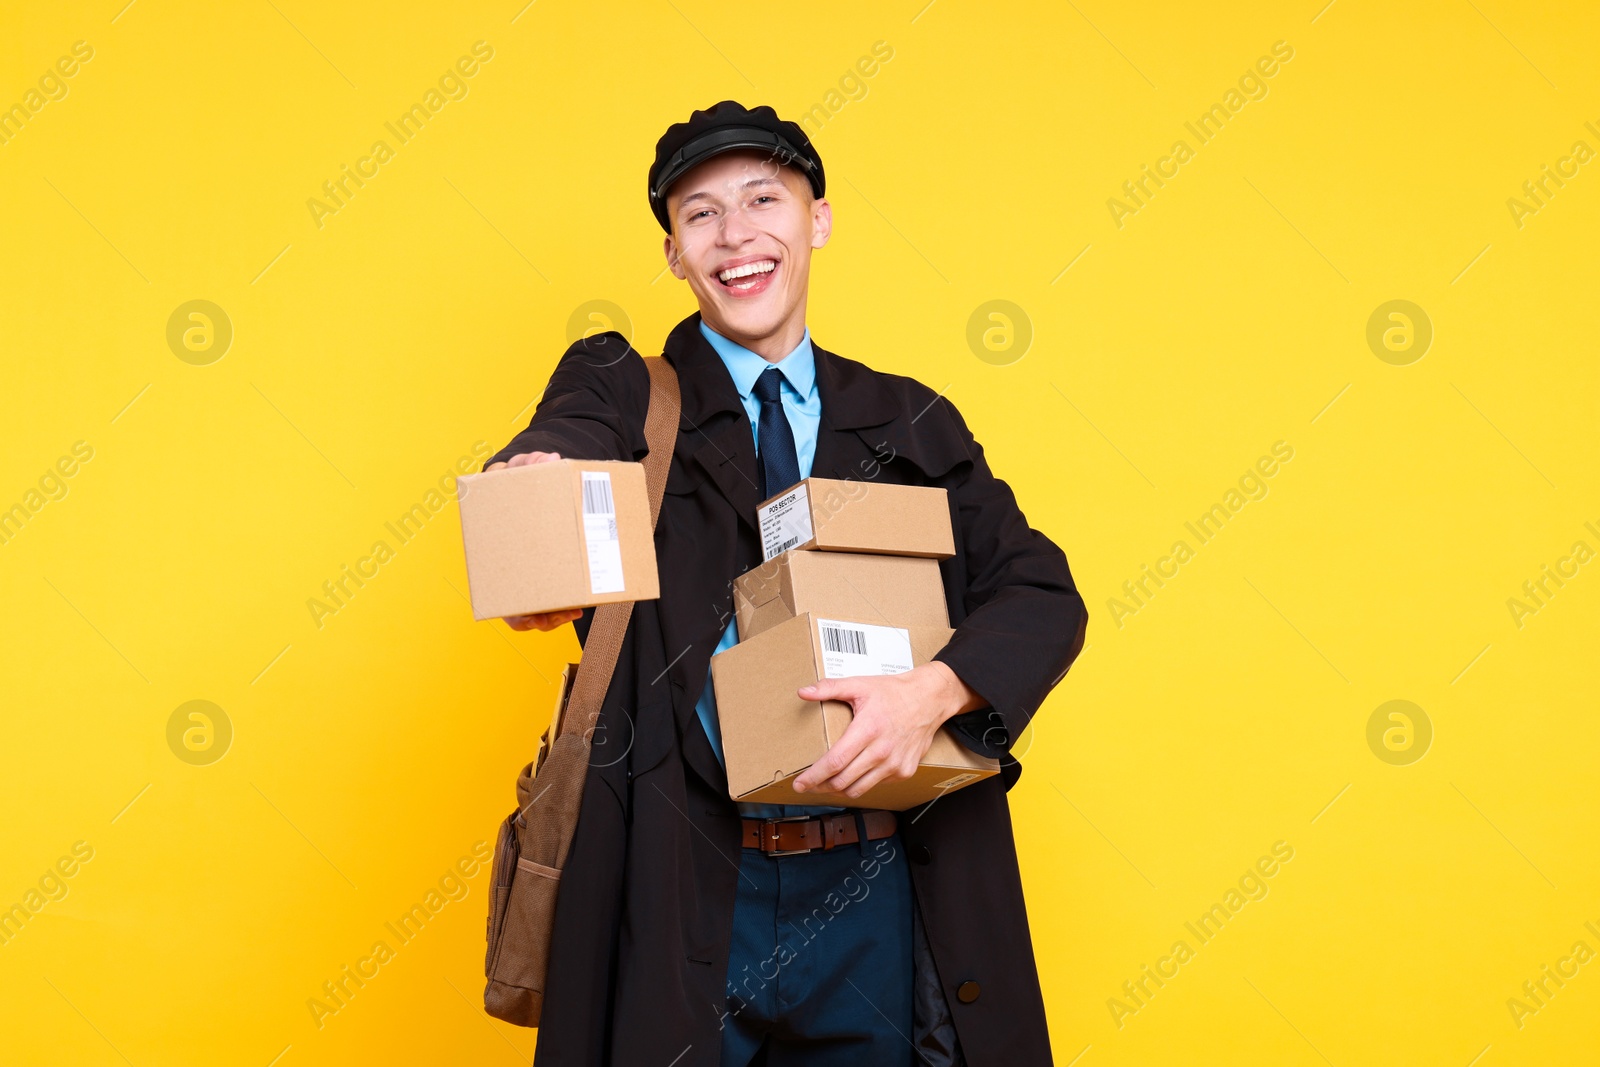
<point x="645" y="910"/>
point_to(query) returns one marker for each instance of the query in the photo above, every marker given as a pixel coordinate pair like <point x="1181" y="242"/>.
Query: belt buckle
<point x="773" y="835"/>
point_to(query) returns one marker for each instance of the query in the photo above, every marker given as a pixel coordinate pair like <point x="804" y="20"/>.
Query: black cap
<point x="722" y="128"/>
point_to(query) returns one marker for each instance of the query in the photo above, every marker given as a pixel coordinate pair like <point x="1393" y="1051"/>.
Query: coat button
<point x="921" y="855"/>
<point x="967" y="992"/>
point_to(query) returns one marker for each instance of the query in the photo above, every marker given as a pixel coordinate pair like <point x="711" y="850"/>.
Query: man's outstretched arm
<point x="592" y="408"/>
<point x="587" y="411"/>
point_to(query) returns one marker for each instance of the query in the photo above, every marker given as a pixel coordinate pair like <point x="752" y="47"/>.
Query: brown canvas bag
<point x="531" y="847"/>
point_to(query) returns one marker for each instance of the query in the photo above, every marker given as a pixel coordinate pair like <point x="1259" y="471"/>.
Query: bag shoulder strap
<point x="610" y="623"/>
<point x="660" y="429"/>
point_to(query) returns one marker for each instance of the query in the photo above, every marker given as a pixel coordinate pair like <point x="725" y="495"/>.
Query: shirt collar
<point x="799" y="367"/>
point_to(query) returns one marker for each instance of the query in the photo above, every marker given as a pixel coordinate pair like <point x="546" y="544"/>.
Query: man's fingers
<point x="830" y="689"/>
<point x="838" y="756"/>
<point x="522" y="459"/>
<point x="860" y="774"/>
<point x="867" y="780"/>
<point x="877" y="764"/>
<point x="850" y="744"/>
<point x="543" y="621"/>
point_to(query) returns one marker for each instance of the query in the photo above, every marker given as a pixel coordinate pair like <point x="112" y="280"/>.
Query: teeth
<point x="760" y="267"/>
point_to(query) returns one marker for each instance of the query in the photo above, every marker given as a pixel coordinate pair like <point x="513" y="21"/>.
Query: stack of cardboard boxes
<point x="850" y="586"/>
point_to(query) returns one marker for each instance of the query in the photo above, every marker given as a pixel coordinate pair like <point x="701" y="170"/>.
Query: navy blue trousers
<point x="820" y="967"/>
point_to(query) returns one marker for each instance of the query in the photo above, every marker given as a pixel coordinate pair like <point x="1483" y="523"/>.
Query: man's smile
<point x="747" y="275"/>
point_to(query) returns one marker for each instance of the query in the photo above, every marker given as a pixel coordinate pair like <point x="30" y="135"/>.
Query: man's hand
<point x="547" y="620"/>
<point x="522" y="459"/>
<point x="895" y="719"/>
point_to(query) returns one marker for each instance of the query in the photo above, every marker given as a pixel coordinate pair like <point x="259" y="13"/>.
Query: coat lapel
<point x="721" y="448"/>
<point x="726" y="456"/>
<point x="854" y="401"/>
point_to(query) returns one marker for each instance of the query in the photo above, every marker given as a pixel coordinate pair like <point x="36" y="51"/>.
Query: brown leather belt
<point x="809" y="833"/>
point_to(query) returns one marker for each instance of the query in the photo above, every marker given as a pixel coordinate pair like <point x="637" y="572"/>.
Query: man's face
<point x="742" y="212"/>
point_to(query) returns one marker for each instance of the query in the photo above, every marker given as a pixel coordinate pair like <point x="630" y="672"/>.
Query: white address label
<point x="853" y="649"/>
<point x="785" y="523"/>
<point x="600" y="534"/>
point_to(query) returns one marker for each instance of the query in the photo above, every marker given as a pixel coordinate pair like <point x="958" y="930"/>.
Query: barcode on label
<point x="785" y="546"/>
<point x="837" y="639"/>
<point x="597" y="494"/>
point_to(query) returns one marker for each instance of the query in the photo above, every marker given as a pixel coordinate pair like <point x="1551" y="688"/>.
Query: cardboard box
<point x="847" y="515"/>
<point x="888" y="590"/>
<point x="548" y="536"/>
<point x="770" y="735"/>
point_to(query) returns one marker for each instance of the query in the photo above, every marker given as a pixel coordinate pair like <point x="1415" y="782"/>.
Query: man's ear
<point x="669" y="247"/>
<point x="821" y="222"/>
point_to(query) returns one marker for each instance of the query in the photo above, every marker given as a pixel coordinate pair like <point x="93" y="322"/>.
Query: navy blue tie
<point x="774" y="439"/>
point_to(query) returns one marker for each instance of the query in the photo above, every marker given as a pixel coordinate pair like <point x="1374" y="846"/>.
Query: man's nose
<point x="736" y="228"/>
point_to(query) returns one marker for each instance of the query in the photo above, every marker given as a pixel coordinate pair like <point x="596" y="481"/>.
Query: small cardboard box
<point x="847" y="515"/>
<point x="888" y="590"/>
<point x="549" y="536"/>
<point x="770" y="735"/>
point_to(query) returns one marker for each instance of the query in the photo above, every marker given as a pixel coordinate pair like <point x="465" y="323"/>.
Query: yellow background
<point x="1228" y="313"/>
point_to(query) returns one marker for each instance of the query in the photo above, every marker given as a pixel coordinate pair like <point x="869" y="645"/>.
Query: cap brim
<point x="715" y="143"/>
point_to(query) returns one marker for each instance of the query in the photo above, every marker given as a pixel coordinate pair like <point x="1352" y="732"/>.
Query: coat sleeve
<point x="1025" y="620"/>
<point x="593" y="406"/>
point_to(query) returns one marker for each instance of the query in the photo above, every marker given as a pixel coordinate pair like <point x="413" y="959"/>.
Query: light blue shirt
<point x="803" y="408"/>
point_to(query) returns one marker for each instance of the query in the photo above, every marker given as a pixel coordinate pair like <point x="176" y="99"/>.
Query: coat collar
<point x="852" y="396"/>
<point x="798" y="368"/>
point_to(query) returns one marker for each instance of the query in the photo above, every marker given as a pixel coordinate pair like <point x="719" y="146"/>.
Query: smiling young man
<point x="684" y="935"/>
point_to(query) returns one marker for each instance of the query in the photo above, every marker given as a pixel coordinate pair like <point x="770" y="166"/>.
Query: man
<point x="679" y="938"/>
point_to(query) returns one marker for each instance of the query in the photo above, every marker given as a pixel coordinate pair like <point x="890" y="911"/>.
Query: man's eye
<point x="762" y="197"/>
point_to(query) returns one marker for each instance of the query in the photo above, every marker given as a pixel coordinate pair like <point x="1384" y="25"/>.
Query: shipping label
<point x="785" y="523"/>
<point x="600" y="533"/>
<point x="853" y="649"/>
